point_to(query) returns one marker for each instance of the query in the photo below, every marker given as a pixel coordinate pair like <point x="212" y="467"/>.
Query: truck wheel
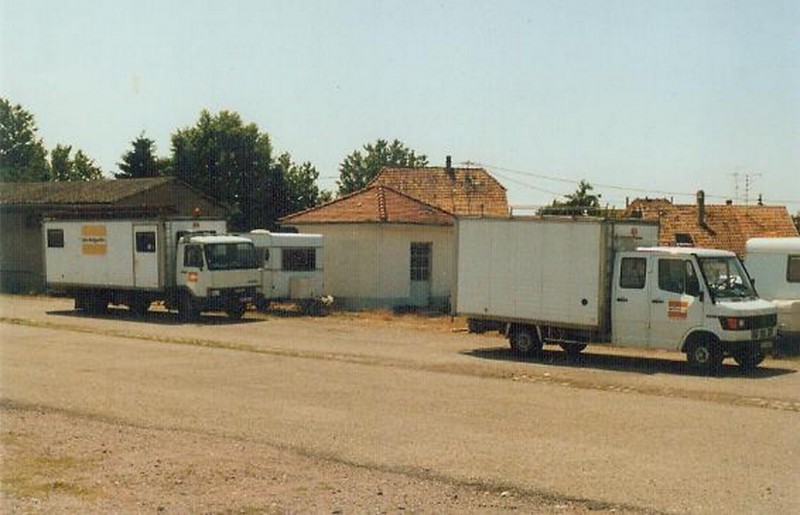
<point x="706" y="356"/>
<point x="476" y="326"/>
<point x="573" y="350"/>
<point x="748" y="358"/>
<point x="139" y="307"/>
<point x="236" y="311"/>
<point x="187" y="308"/>
<point x="524" y="341"/>
<point x="96" y="304"/>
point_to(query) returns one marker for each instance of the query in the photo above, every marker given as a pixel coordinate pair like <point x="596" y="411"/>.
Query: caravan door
<point x="145" y="256"/>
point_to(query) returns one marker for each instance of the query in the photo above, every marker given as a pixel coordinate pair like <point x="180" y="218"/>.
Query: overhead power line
<point x="537" y="175"/>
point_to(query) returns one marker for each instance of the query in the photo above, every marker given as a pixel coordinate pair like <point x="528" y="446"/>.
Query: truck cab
<point x="699" y="301"/>
<point x="215" y="272"/>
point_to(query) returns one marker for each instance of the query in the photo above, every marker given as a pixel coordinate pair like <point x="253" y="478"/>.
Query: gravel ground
<point x="55" y="462"/>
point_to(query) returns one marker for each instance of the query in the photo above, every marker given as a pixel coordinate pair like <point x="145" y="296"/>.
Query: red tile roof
<point x="373" y="204"/>
<point x="462" y="191"/>
<point x="726" y="227"/>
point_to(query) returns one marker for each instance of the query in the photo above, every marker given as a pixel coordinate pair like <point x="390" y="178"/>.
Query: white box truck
<point x="571" y="282"/>
<point x="774" y="263"/>
<point x="189" y="264"/>
<point x="291" y="268"/>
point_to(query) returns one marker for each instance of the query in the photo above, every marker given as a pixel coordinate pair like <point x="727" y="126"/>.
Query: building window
<point x="299" y="260"/>
<point x="421" y="261"/>
<point x="146" y="241"/>
<point x="632" y="273"/>
<point x="55" y="238"/>
<point x="683" y="239"/>
<point x="793" y="269"/>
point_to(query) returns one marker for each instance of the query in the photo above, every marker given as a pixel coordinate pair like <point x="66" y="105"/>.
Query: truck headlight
<point x="733" y="323"/>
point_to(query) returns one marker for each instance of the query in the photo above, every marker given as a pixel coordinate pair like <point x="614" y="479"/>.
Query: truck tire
<point x="573" y="350"/>
<point x="706" y="356"/>
<point x="139" y="307"/>
<point x="96" y="304"/>
<point x="524" y="341"/>
<point x="187" y="308"/>
<point x="748" y="358"/>
<point x="236" y="310"/>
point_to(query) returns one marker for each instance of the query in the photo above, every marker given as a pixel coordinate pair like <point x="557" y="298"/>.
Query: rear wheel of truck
<point x="573" y="350"/>
<point x="236" y="310"/>
<point x="524" y="340"/>
<point x="748" y="358"/>
<point x="96" y="304"/>
<point x="705" y="355"/>
<point x="187" y="308"/>
<point x="139" y="307"/>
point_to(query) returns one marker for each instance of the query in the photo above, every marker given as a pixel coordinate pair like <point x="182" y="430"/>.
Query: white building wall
<point x="367" y="265"/>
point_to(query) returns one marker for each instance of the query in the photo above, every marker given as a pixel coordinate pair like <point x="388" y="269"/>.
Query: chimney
<point x="701" y="208"/>
<point x="448" y="167"/>
<point x="728" y="202"/>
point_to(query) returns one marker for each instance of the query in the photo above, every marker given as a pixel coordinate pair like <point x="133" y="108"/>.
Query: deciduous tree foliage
<point x="22" y="154"/>
<point x="232" y="162"/>
<point x="302" y="191"/>
<point x="71" y="169"/>
<point x="359" y="168"/>
<point x="141" y="160"/>
<point x="580" y="203"/>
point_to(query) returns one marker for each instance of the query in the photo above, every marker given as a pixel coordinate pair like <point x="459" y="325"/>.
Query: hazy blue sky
<point x="657" y="96"/>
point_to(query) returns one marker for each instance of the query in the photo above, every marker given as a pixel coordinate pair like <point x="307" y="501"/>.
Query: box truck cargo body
<point x="774" y="263"/>
<point x="571" y="282"/>
<point x="189" y="264"/>
<point x="291" y="266"/>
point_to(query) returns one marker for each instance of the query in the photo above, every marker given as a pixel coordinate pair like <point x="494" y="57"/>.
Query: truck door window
<point x="145" y="241"/>
<point x="55" y="238"/>
<point x="793" y="269"/>
<point x="672" y="275"/>
<point x="632" y="273"/>
<point x="692" y="281"/>
<point x="193" y="256"/>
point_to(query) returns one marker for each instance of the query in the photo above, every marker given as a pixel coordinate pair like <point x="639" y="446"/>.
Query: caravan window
<point x="55" y="238"/>
<point x="299" y="260"/>
<point x="633" y="273"/>
<point x="793" y="269"/>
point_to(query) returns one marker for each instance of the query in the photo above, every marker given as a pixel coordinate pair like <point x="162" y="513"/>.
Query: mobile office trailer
<point x="189" y="264"/>
<point x="774" y="264"/>
<point x="571" y="282"/>
<point x="291" y="267"/>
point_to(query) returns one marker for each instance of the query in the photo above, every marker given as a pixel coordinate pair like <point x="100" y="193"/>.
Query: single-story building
<point x="392" y="243"/>
<point x="23" y="206"/>
<point x="717" y="226"/>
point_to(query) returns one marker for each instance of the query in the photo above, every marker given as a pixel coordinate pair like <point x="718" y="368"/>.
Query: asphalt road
<point x="631" y="428"/>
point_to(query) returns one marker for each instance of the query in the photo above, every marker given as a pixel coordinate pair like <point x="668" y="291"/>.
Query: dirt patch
<point x="58" y="462"/>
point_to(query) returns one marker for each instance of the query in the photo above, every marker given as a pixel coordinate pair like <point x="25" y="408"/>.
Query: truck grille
<point x="761" y="321"/>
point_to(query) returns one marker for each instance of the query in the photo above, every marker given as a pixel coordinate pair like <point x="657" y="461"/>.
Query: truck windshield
<point x="230" y="256"/>
<point x="726" y="278"/>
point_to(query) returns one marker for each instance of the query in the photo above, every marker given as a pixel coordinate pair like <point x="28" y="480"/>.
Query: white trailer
<point x="189" y="264"/>
<point x="774" y="264"/>
<point x="571" y="282"/>
<point x="291" y="267"/>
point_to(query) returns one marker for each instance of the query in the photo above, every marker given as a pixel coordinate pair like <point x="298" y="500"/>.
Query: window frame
<point x="55" y="238"/>
<point x="793" y="268"/>
<point x="145" y="242"/>
<point x="623" y="276"/>
<point x="298" y="259"/>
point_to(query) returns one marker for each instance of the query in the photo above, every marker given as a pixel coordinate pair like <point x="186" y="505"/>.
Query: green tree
<point x="141" y="160"/>
<point x="302" y="191"/>
<point x="72" y="169"/>
<point x="232" y="162"/>
<point x="359" y="168"/>
<point x="22" y="154"/>
<point x="580" y="203"/>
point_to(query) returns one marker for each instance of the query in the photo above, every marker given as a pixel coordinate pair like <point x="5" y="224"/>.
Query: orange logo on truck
<point x="677" y="309"/>
<point x="93" y="240"/>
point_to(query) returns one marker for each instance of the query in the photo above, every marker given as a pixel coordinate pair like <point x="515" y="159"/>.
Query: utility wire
<point x="494" y="169"/>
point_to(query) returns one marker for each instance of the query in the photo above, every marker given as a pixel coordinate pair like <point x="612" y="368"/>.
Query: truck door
<point x="675" y="306"/>
<point x="630" y="302"/>
<point x="145" y="256"/>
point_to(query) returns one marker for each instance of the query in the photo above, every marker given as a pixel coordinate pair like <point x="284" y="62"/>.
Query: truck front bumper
<point x="224" y="297"/>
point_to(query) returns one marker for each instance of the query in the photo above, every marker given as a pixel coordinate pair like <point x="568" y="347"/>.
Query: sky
<point x="640" y="98"/>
